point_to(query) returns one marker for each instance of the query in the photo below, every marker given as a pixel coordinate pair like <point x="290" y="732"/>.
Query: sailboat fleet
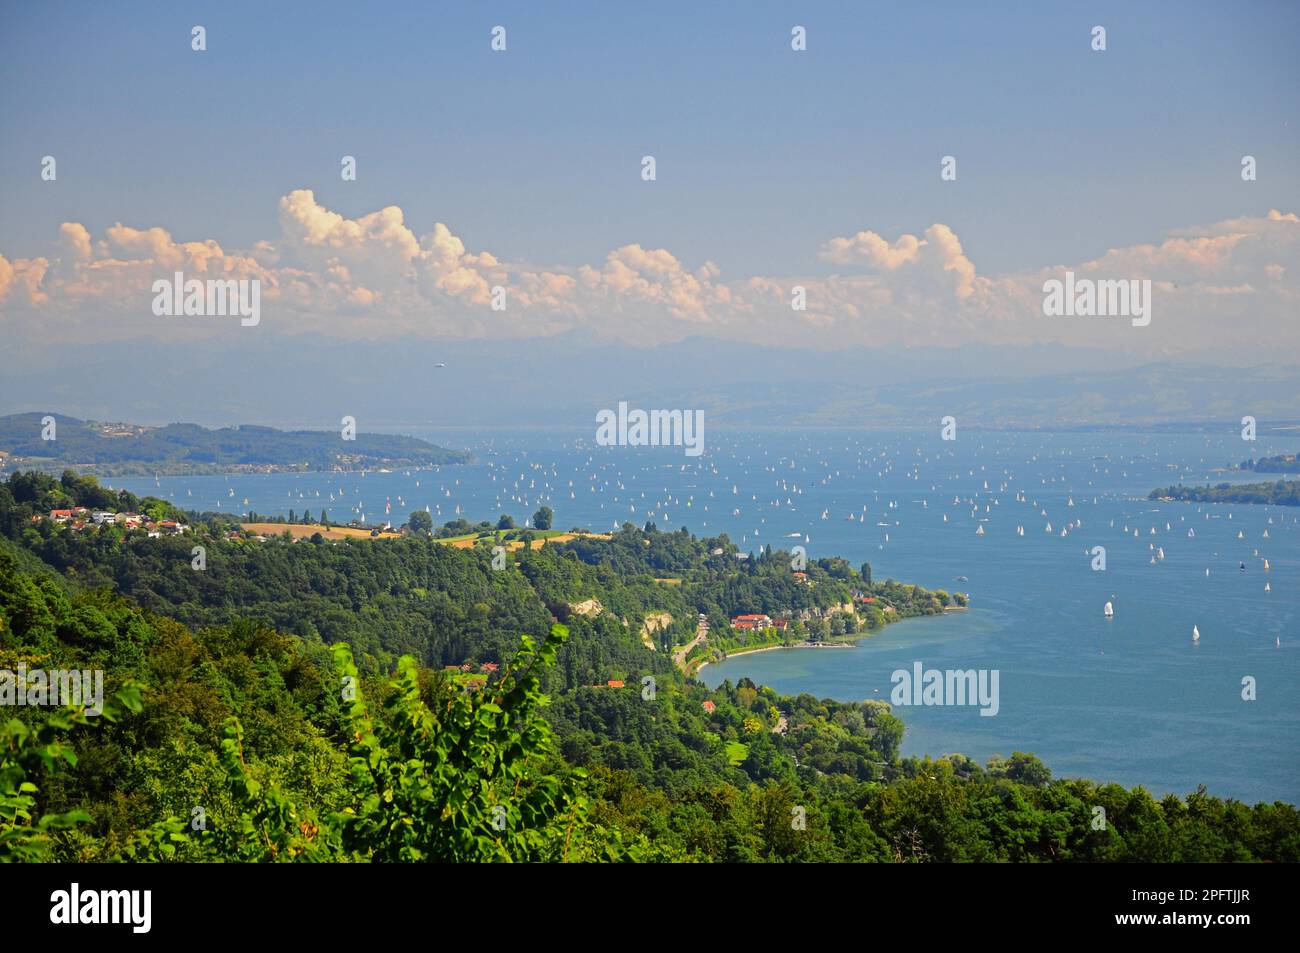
<point x="983" y="501"/>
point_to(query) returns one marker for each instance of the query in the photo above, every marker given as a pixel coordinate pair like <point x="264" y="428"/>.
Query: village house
<point x="752" y="620"/>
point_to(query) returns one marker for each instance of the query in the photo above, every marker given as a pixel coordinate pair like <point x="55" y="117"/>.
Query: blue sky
<point x="762" y="153"/>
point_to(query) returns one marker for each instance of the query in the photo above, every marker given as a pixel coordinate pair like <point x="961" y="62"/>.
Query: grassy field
<point x="541" y="538"/>
<point x="737" y="752"/>
<point x="303" y="530"/>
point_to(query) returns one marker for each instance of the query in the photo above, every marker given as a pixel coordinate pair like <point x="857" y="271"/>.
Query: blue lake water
<point x="1131" y="699"/>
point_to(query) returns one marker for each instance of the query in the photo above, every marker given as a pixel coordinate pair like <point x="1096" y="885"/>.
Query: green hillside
<point x="117" y="449"/>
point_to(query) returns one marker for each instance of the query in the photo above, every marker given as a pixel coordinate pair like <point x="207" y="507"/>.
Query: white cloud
<point x="1216" y="286"/>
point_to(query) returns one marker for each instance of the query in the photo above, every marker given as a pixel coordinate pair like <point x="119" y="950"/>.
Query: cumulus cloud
<point x="22" y="280"/>
<point x="375" y="275"/>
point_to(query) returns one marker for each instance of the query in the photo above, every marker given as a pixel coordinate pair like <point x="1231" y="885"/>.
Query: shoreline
<point x="853" y="644"/>
<point x="797" y="645"/>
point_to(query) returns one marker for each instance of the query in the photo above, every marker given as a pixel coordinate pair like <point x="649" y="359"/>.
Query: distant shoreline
<point x="136" y="469"/>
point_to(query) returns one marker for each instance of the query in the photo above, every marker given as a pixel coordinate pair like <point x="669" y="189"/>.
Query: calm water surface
<point x="1130" y="699"/>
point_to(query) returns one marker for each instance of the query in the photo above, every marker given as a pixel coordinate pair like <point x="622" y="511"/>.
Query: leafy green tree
<point x="421" y="522"/>
<point x="543" y="518"/>
<point x="27" y="753"/>
<point x="460" y="783"/>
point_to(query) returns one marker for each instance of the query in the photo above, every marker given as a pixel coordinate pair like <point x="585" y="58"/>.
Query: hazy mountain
<point x="562" y="381"/>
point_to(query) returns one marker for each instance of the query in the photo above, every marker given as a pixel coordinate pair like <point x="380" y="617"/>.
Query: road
<point x="701" y="634"/>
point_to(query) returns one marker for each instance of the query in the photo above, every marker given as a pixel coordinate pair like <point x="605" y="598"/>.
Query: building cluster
<point x="79" y="518"/>
<point x="469" y="677"/>
<point x="757" y="620"/>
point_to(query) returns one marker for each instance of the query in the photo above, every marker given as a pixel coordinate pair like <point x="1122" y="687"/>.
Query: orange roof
<point x="615" y="683"/>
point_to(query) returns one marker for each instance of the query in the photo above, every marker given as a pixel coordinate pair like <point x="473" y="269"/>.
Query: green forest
<point x="404" y="700"/>
<point x="1280" y="463"/>
<point x="1281" y="493"/>
<point x="114" y="449"/>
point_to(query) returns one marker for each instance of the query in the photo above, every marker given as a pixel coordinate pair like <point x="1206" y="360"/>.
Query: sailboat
<point x="1196" y="634"/>
<point x="1268" y="587"/>
<point x="980" y="531"/>
<point x="1109" y="611"/>
<point x="1266" y="565"/>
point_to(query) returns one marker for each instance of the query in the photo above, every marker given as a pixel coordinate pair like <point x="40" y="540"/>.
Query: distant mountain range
<point x="116" y="449"/>
<point x="429" y="386"/>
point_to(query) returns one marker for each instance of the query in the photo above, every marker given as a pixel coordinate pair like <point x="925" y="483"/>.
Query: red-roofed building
<point x="752" y="620"/>
<point x="615" y="683"/>
<point x="709" y="707"/>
